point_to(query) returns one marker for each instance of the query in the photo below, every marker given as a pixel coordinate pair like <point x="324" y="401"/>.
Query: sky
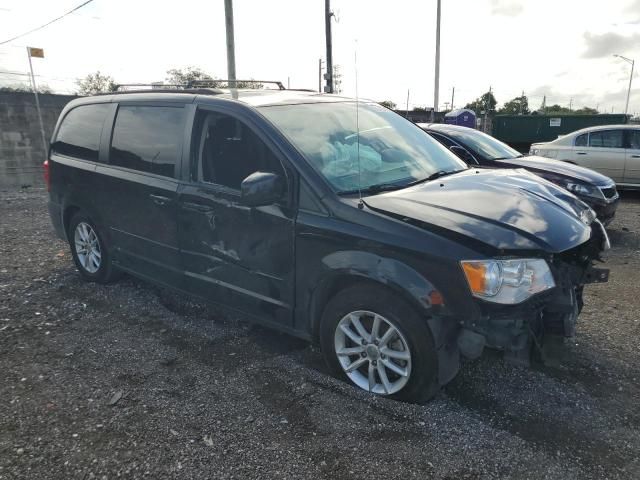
<point x="559" y="48"/>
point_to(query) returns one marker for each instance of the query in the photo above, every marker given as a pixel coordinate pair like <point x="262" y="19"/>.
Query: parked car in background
<point x="613" y="150"/>
<point x="366" y="236"/>
<point x="479" y="149"/>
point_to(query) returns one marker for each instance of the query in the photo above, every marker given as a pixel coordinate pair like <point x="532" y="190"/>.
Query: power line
<point x="47" y="24"/>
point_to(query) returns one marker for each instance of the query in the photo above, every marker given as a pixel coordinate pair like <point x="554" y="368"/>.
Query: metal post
<point x="626" y="108"/>
<point x="407" y="116"/>
<point x="231" y="49"/>
<point x="436" y="88"/>
<point x="453" y="94"/>
<point x="35" y="93"/>
<point x="320" y="74"/>
<point x="327" y="27"/>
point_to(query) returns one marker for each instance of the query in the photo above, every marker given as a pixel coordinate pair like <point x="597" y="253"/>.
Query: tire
<point x="97" y="265"/>
<point x="419" y="380"/>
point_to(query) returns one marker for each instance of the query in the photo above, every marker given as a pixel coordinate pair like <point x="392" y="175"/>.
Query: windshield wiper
<point x="507" y="158"/>
<point x="386" y="187"/>
<point x="381" y="187"/>
<point x="436" y="175"/>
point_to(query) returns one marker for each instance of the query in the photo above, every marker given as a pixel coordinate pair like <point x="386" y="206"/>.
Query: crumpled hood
<point x="506" y="209"/>
<point x="542" y="165"/>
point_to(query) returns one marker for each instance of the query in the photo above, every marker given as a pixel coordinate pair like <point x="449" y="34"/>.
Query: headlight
<point x="583" y="189"/>
<point x="507" y="281"/>
<point x="533" y="151"/>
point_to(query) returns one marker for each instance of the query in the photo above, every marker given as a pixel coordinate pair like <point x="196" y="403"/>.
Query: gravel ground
<point x="131" y="381"/>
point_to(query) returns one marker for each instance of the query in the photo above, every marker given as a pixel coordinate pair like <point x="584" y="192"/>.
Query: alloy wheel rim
<point x="87" y="247"/>
<point x="372" y="352"/>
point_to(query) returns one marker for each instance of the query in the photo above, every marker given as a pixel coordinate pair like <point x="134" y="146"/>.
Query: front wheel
<point x="380" y="344"/>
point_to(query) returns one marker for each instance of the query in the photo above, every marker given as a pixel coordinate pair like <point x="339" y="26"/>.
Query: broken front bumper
<point x="554" y="313"/>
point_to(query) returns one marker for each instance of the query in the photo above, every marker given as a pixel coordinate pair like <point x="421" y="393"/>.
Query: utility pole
<point x="571" y="104"/>
<point x="327" y="28"/>
<point x="453" y="94"/>
<point x="231" y="48"/>
<point x="407" y="115"/>
<point x="40" y="54"/>
<point x="436" y="88"/>
<point x="320" y="62"/>
<point x="521" y="102"/>
<point x="632" y="62"/>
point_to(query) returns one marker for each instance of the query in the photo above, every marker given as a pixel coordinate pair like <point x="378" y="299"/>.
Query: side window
<point x="306" y="200"/>
<point x="442" y="139"/>
<point x="634" y="139"/>
<point x="79" y="133"/>
<point x="227" y="151"/>
<point x="148" y="139"/>
<point x="606" y="139"/>
<point x="581" y="140"/>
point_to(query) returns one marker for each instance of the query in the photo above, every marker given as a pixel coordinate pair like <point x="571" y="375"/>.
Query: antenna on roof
<point x="355" y="61"/>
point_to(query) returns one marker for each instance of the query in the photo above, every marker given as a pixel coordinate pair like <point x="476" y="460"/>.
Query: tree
<point x="190" y="75"/>
<point x="516" y="106"/>
<point x="96" y="83"/>
<point x="486" y="102"/>
<point x="389" y="104"/>
<point x="586" y="111"/>
<point x="559" y="110"/>
<point x="43" y="88"/>
<point x="178" y="76"/>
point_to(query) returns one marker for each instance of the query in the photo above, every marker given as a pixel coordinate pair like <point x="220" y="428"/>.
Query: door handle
<point x="159" y="199"/>
<point x="581" y="153"/>
<point x="197" y="207"/>
<point x="635" y="156"/>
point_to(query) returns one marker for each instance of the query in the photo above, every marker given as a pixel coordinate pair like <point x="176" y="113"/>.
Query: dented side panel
<point x="236" y="255"/>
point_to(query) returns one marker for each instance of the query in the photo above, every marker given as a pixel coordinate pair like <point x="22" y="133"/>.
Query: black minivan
<point x="334" y="220"/>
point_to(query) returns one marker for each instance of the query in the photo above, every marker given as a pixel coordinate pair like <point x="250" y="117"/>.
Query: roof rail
<point x="217" y="81"/>
<point x="213" y="83"/>
<point x="152" y="85"/>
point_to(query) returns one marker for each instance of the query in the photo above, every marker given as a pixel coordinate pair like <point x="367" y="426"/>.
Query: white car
<point x="613" y="150"/>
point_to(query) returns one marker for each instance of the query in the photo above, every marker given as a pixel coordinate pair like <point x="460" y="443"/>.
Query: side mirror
<point x="261" y="188"/>
<point x="463" y="154"/>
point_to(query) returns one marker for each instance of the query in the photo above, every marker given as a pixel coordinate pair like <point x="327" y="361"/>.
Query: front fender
<point x="346" y="267"/>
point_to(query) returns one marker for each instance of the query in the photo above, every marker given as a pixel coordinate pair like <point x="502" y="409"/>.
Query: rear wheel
<point x="90" y="250"/>
<point x="379" y="343"/>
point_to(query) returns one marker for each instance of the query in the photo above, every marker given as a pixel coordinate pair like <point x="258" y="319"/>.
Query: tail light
<point x="47" y="179"/>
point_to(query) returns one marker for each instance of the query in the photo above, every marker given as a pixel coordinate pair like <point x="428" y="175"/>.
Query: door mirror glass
<point x="463" y="154"/>
<point x="261" y="188"/>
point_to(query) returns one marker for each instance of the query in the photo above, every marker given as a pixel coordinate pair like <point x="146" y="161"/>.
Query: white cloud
<point x="509" y="8"/>
<point x="607" y="44"/>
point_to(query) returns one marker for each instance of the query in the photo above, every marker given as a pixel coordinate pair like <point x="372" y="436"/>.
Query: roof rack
<point x="216" y="81"/>
<point x="196" y="84"/>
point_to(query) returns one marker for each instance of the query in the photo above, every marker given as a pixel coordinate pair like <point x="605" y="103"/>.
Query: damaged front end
<point x="549" y="316"/>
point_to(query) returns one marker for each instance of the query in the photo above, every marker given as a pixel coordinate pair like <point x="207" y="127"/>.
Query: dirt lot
<point x="130" y="381"/>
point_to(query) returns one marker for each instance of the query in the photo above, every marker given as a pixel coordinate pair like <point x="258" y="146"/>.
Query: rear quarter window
<point x="80" y="131"/>
<point x="581" y="140"/>
<point x="148" y="138"/>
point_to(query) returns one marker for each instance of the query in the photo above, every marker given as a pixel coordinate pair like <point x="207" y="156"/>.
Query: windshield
<point x="482" y="144"/>
<point x="393" y="152"/>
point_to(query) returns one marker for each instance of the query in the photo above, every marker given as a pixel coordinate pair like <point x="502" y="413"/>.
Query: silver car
<point x="613" y="150"/>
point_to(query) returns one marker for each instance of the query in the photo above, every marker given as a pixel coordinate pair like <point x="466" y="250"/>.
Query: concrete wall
<point x="21" y="150"/>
